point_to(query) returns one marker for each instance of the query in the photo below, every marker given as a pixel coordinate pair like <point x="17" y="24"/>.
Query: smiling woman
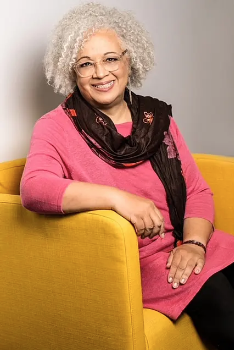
<point x="78" y="26"/>
<point x="105" y="147"/>
<point x="103" y="70"/>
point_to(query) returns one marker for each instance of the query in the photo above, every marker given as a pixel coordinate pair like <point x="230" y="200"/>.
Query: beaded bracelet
<point x="196" y="243"/>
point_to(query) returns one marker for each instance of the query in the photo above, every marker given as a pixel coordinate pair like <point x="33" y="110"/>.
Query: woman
<point x="107" y="148"/>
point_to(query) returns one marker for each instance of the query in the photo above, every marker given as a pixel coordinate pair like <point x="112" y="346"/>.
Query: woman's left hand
<point x="183" y="260"/>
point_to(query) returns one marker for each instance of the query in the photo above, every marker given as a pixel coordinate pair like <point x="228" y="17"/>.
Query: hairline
<point x="78" y="26"/>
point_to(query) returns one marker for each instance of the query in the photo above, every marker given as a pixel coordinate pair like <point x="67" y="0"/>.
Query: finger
<point x="159" y="230"/>
<point x="174" y="264"/>
<point x="157" y="224"/>
<point x="147" y="232"/>
<point x="191" y="266"/>
<point x="155" y="232"/>
<point x="180" y="271"/>
<point x="161" y="224"/>
<point x="158" y="213"/>
<point x="199" y="267"/>
<point x="187" y="272"/>
<point x="169" y="261"/>
<point x="162" y="230"/>
<point x="149" y="226"/>
<point x="139" y="226"/>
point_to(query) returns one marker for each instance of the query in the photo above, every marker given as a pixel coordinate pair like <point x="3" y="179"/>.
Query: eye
<point x="111" y="59"/>
<point x="85" y="65"/>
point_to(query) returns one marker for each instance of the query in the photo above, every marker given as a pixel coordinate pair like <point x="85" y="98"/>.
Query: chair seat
<point x="162" y="334"/>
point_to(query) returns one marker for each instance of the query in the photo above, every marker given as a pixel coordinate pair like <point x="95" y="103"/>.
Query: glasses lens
<point x="111" y="63"/>
<point x="85" y="69"/>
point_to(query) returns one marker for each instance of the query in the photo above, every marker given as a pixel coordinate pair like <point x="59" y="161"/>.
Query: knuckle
<point x="172" y="271"/>
<point x="149" y="203"/>
<point x="177" y="257"/>
<point x="134" y="219"/>
<point x="200" y="266"/>
<point x="156" y="231"/>
<point x="174" y="265"/>
<point x="140" y="230"/>
<point x="191" y="265"/>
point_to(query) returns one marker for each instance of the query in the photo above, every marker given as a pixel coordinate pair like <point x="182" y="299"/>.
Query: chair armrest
<point x="218" y="171"/>
<point x="68" y="282"/>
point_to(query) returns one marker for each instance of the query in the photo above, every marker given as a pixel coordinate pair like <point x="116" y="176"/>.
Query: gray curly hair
<point x="71" y="32"/>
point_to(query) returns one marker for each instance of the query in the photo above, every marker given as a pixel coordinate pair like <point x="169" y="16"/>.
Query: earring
<point x="130" y="92"/>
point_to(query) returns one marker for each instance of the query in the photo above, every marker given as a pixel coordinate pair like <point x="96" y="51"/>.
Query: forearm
<point x="82" y="196"/>
<point x="197" y="229"/>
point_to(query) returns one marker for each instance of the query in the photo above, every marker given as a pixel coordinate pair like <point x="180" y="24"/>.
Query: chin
<point x="106" y="101"/>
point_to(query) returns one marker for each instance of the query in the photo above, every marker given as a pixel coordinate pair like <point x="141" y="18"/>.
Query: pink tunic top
<point x="58" y="155"/>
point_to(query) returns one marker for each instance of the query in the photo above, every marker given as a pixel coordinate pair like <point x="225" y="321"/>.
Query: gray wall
<point x="194" y="44"/>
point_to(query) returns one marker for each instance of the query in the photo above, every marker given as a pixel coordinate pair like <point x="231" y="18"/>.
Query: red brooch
<point x="100" y="120"/>
<point x="149" y="118"/>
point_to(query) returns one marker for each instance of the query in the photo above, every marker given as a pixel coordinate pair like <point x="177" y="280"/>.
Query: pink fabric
<point x="58" y="155"/>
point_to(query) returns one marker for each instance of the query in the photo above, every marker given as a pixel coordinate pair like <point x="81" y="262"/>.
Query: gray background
<point x="194" y="45"/>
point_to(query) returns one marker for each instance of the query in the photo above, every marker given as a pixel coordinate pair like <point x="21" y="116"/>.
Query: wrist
<point x="114" y="196"/>
<point x="191" y="236"/>
<point x="195" y="243"/>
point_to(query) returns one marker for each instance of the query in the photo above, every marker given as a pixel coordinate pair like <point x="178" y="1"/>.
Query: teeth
<point x="106" y="86"/>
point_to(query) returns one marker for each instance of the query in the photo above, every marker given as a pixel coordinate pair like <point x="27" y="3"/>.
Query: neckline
<point x="130" y="122"/>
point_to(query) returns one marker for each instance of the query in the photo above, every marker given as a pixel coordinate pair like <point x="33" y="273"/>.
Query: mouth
<point x="105" y="86"/>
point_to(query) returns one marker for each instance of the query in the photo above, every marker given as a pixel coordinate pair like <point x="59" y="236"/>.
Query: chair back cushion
<point x="218" y="171"/>
<point x="10" y="176"/>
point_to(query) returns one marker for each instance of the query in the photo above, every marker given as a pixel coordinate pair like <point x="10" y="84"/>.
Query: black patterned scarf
<point x="150" y="139"/>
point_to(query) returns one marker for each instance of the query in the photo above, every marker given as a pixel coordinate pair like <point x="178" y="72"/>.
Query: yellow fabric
<point x="218" y="171"/>
<point x="73" y="282"/>
<point x="68" y="282"/>
<point x="10" y="175"/>
<point x="162" y="334"/>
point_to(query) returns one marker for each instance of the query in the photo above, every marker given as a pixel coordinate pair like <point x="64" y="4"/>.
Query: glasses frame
<point x="98" y="62"/>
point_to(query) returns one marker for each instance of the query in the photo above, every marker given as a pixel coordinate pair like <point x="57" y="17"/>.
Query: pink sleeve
<point x="200" y="202"/>
<point x="44" y="178"/>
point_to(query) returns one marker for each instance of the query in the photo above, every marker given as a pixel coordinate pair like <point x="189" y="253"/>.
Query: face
<point x="103" y="89"/>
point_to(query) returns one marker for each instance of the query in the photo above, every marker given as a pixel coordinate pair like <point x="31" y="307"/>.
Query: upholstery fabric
<point x="10" y="175"/>
<point x="218" y="171"/>
<point x="161" y="333"/>
<point x="73" y="282"/>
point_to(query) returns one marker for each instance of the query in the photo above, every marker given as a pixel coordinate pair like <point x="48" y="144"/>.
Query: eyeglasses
<point x="110" y="62"/>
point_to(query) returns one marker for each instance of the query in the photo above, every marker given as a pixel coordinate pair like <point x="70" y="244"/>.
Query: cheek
<point x="82" y="84"/>
<point x="125" y="75"/>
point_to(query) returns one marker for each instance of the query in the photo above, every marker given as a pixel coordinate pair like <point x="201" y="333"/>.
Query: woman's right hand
<point x="141" y="212"/>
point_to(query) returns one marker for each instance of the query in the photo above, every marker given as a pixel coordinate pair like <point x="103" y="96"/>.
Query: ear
<point x="129" y="65"/>
<point x="129" y="71"/>
<point x="129" y="76"/>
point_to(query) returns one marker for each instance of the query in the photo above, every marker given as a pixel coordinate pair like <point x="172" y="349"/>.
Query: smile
<point x="104" y="87"/>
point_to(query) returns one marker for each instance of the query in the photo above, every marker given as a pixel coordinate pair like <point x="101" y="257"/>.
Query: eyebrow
<point x="106" y="53"/>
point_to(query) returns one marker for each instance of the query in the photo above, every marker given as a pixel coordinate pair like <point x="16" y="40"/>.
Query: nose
<point x="100" y="71"/>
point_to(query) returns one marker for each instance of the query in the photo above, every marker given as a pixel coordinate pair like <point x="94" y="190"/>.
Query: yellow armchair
<point x="73" y="282"/>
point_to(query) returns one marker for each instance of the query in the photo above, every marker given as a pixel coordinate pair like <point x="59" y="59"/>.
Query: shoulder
<point x="56" y="116"/>
<point x="55" y="121"/>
